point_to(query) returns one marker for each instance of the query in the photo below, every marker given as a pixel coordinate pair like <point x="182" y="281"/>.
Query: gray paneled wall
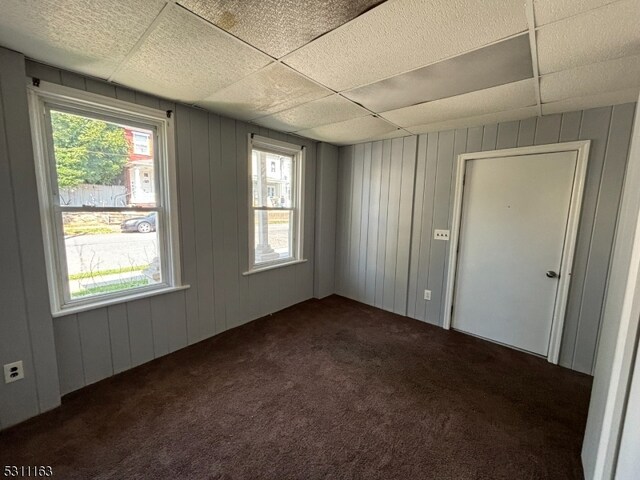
<point x="370" y="175"/>
<point x="375" y="194"/>
<point x="213" y="194"/>
<point x="326" y="201"/>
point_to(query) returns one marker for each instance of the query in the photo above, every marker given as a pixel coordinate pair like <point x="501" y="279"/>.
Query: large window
<point x="105" y="181"/>
<point x="275" y="213"/>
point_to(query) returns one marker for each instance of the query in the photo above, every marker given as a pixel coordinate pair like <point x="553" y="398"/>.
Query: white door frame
<point x="582" y="150"/>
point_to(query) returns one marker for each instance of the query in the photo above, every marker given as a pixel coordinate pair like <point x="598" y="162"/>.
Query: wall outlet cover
<point x="441" y="235"/>
<point x="13" y="371"/>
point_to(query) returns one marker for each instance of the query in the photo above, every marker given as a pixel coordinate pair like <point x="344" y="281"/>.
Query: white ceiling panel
<point x="591" y="101"/>
<point x="278" y="27"/>
<point x="272" y="89"/>
<point x="507" y="116"/>
<point x="495" y="99"/>
<point x="598" y="35"/>
<point x="187" y="59"/>
<point x="71" y="35"/>
<point x="350" y="131"/>
<point x="548" y="11"/>
<point x="399" y="36"/>
<point x="326" y="110"/>
<point x="614" y="75"/>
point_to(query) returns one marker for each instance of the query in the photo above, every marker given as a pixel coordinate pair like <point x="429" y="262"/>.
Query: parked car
<point x="140" y="224"/>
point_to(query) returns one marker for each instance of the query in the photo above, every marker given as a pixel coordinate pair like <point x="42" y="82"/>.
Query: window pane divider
<point x="274" y="209"/>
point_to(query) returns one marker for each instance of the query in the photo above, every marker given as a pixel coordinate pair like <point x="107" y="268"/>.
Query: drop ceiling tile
<point x="491" y="118"/>
<point x="272" y="89"/>
<point x="350" y="131"/>
<point x="399" y="36"/>
<point x="548" y="11"/>
<point x="598" y="35"/>
<point x="278" y="27"/>
<point x="187" y="59"/>
<point x="73" y="36"/>
<point x="326" y="110"/>
<point x="592" y="101"/>
<point x="614" y="75"/>
<point x="495" y="99"/>
<point x="504" y="62"/>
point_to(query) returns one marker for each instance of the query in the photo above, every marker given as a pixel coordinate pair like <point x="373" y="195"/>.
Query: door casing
<point x="575" y="205"/>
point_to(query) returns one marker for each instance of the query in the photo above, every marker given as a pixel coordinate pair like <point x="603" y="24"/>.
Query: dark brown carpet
<point x="328" y="389"/>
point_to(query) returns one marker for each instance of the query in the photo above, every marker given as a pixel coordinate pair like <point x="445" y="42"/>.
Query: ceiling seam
<point x="584" y="12"/>
<point x="531" y="22"/>
<point x="167" y="7"/>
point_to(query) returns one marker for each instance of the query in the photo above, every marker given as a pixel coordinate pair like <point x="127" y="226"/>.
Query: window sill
<point x="114" y="301"/>
<point x="271" y="267"/>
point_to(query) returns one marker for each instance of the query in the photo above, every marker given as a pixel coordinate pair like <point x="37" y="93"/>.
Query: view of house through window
<point x="275" y="209"/>
<point x="106" y="209"/>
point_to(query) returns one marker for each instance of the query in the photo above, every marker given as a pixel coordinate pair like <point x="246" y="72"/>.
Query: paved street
<point x="86" y="253"/>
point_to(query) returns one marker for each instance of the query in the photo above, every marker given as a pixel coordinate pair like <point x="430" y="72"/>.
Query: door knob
<point x="552" y="274"/>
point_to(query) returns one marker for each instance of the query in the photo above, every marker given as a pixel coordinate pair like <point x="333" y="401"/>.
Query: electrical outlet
<point x="13" y="371"/>
<point x="441" y="235"/>
<point x="427" y="294"/>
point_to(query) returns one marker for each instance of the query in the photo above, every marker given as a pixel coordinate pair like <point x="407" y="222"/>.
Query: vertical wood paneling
<point x="393" y="220"/>
<point x="356" y="219"/>
<point x="441" y="219"/>
<point x="140" y="331"/>
<point x="373" y="225"/>
<point x="324" y="274"/>
<point x="418" y="206"/>
<point x="241" y="198"/>
<point x="548" y="129"/>
<point x="404" y="224"/>
<point x="527" y="132"/>
<point x="119" y="335"/>
<point x="507" y="135"/>
<point x="187" y="219"/>
<point x="199" y="139"/>
<point x="69" y="354"/>
<point x="432" y="202"/>
<point x="217" y="199"/>
<point x="364" y="222"/>
<point x="15" y="341"/>
<point x="383" y="222"/>
<point x="177" y="325"/>
<point x="570" y="126"/>
<point x="595" y="127"/>
<point x="96" y="345"/>
<point x="602" y="238"/>
<point x="228" y="184"/>
<point x="28" y="231"/>
<point x="489" y="137"/>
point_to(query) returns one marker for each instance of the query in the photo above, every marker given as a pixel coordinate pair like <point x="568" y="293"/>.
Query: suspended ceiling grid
<point x="346" y="71"/>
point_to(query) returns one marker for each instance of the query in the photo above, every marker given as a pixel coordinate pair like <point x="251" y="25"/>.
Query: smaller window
<point x="141" y="143"/>
<point x="276" y="211"/>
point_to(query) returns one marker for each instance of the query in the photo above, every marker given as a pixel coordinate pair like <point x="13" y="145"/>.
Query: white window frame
<point x="48" y="95"/>
<point x="297" y="208"/>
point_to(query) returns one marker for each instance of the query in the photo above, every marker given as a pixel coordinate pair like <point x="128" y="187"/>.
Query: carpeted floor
<point x="328" y="389"/>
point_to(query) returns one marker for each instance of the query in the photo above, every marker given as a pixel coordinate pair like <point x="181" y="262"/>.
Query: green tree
<point x="88" y="150"/>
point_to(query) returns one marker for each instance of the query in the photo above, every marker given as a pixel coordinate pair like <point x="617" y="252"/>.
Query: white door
<point x="512" y="233"/>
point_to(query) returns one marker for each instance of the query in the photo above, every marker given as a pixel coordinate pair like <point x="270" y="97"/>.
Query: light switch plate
<point x="427" y="294"/>
<point x="441" y="235"/>
<point x="13" y="371"/>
